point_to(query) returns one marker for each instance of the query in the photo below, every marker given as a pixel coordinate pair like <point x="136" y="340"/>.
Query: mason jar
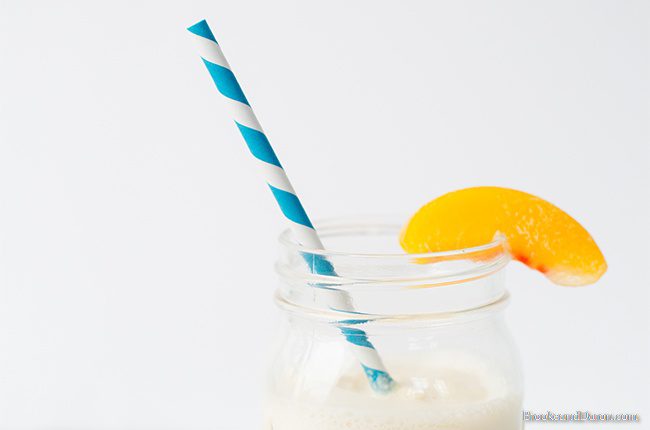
<point x="435" y="322"/>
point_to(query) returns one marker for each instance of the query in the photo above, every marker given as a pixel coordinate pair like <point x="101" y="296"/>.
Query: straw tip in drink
<point x="202" y="29"/>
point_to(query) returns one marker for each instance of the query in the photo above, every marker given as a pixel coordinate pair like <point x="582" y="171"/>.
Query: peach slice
<point x="538" y="234"/>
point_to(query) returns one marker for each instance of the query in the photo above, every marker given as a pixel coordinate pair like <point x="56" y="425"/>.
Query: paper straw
<point x="284" y="194"/>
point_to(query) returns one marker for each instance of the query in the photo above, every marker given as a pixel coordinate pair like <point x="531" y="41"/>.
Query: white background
<point x="134" y="229"/>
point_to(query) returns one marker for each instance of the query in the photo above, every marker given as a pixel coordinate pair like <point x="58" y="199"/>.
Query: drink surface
<point x="451" y="392"/>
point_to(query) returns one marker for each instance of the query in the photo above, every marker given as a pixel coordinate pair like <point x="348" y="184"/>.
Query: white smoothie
<point x="450" y="392"/>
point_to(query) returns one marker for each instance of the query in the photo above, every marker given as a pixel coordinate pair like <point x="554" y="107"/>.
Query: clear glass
<point x="435" y="319"/>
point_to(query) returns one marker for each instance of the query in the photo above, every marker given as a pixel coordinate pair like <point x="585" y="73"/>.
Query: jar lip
<point x="387" y="283"/>
<point x="326" y="226"/>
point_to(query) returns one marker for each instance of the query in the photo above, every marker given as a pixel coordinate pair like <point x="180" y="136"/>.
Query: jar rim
<point x="325" y="226"/>
<point x="387" y="283"/>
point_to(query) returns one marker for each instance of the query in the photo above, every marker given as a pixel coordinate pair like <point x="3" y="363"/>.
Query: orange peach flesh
<point x="538" y="234"/>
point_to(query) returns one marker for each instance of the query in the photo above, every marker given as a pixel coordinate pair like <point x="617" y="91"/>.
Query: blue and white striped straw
<point x="284" y="194"/>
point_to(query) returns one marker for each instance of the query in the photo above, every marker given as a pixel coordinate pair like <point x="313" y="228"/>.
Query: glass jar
<point x="436" y="321"/>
